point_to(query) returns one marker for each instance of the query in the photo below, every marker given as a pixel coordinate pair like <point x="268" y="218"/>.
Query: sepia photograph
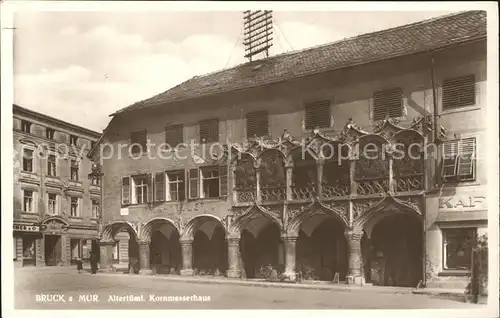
<point x="250" y="157"/>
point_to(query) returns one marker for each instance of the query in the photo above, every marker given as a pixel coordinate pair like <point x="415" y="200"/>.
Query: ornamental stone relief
<point x="360" y="207"/>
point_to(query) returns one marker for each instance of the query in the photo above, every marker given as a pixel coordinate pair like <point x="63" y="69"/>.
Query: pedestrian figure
<point x="79" y="265"/>
<point x="93" y="263"/>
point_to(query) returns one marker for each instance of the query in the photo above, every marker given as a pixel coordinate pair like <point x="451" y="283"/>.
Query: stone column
<point x="258" y="193"/>
<point x="355" y="273"/>
<point x="105" y="257"/>
<point x="233" y="255"/>
<point x="289" y="175"/>
<point x="145" y="268"/>
<point x="319" y="178"/>
<point x="290" y="257"/>
<point x="187" y="257"/>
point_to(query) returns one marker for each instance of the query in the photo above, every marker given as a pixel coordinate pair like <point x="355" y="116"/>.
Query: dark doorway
<point x="397" y="251"/>
<point x="53" y="250"/>
<point x="165" y="253"/>
<point x="324" y="254"/>
<point x="95" y="250"/>
<point x="210" y="254"/>
<point x="260" y="251"/>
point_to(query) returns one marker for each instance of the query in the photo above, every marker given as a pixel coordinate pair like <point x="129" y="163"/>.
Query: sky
<point x="83" y="66"/>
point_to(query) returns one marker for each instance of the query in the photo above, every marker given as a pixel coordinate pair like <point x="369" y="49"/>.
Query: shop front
<point x="26" y="239"/>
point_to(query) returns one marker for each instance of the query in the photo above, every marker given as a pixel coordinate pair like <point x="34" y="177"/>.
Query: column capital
<point x="186" y="241"/>
<point x="144" y="242"/>
<point x="233" y="239"/>
<point x="352" y="235"/>
<point x="290" y="238"/>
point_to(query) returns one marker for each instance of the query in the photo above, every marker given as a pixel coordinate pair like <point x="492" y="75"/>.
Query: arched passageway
<point x="125" y="253"/>
<point x="260" y="246"/>
<point x="322" y="249"/>
<point x="396" y="253"/>
<point x="209" y="246"/>
<point x="165" y="249"/>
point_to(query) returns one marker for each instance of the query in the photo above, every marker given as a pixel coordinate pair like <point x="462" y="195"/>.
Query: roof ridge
<point x="362" y="35"/>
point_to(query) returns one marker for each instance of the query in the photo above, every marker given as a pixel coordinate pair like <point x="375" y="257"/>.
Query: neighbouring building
<point x="332" y="211"/>
<point x="56" y="205"/>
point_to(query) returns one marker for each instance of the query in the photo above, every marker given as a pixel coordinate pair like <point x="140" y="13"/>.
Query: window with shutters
<point x="213" y="182"/>
<point x="318" y="115"/>
<point x="459" y="92"/>
<point x="209" y="130"/>
<point x="176" y="185"/>
<point x="388" y="104"/>
<point x="194" y="182"/>
<point x="458" y="162"/>
<point x="160" y="187"/>
<point x="257" y="124"/>
<point x="138" y="140"/>
<point x="174" y="135"/>
<point x="126" y="191"/>
<point x="140" y="189"/>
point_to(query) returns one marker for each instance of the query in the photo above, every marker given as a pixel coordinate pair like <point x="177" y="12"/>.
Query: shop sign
<point x="26" y="228"/>
<point x="463" y="203"/>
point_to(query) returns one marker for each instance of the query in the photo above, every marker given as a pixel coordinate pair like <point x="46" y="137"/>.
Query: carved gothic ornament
<point x="363" y="210"/>
<point x="385" y="130"/>
<point x="55" y="225"/>
<point x="298" y="213"/>
<point x="243" y="215"/>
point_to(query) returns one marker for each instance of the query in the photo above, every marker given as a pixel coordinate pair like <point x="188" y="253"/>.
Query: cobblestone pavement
<point x="86" y="291"/>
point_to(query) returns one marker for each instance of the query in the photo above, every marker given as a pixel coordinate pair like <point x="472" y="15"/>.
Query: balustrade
<point x="277" y="193"/>
<point x="306" y="192"/>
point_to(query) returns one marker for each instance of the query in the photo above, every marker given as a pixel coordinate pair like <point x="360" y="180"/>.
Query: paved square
<point x="86" y="291"/>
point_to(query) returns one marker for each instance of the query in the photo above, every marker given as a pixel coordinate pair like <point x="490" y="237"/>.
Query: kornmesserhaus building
<point x="332" y="210"/>
<point x="56" y="205"/>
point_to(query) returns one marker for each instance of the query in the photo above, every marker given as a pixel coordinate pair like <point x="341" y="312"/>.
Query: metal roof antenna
<point x="258" y="32"/>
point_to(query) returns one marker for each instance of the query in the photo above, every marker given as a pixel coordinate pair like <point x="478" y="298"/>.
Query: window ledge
<point x="29" y="213"/>
<point x="76" y="217"/>
<point x="454" y="272"/>
<point x="459" y="109"/>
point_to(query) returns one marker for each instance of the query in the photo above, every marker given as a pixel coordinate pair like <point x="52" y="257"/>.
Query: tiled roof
<point x="404" y="40"/>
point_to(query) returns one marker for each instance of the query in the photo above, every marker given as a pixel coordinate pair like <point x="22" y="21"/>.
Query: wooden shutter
<point x="194" y="177"/>
<point x="450" y="159"/>
<point x="388" y="103"/>
<point x="150" y="183"/>
<point x="139" y="137"/>
<point x="126" y="191"/>
<point x="317" y="115"/>
<point x="466" y="157"/>
<point x="159" y="187"/>
<point x="257" y="124"/>
<point x="222" y="181"/>
<point x="459" y="92"/>
<point x="209" y="130"/>
<point x="174" y="135"/>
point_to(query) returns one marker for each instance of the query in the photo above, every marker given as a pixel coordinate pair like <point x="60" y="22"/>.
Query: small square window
<point x="73" y="140"/>
<point x="318" y="115"/>
<point x="49" y="133"/>
<point x="26" y="126"/>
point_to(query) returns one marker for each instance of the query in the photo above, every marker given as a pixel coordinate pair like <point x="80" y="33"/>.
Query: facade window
<point x="257" y="124"/>
<point x="208" y="182"/>
<point x="74" y="173"/>
<point x="137" y="189"/>
<point x="457" y="247"/>
<point x="26" y="126"/>
<point x="52" y="203"/>
<point x="28" y="201"/>
<point x="76" y="249"/>
<point x="28" y="160"/>
<point x="75" y="208"/>
<point x="51" y="166"/>
<point x="126" y="191"/>
<point x="318" y="115"/>
<point x="141" y="189"/>
<point x="139" y="141"/>
<point x="95" y="209"/>
<point x="176" y="186"/>
<point x="49" y="133"/>
<point x="388" y="103"/>
<point x="92" y="144"/>
<point x="174" y="135"/>
<point x="459" y="160"/>
<point x="209" y="130"/>
<point x="459" y="92"/>
<point x="73" y="140"/>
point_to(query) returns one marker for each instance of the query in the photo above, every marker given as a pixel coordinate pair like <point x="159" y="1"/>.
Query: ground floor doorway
<point x="53" y="250"/>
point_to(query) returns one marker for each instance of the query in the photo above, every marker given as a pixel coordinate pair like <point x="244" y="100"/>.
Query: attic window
<point x="209" y="130"/>
<point x="318" y="115"/>
<point x="459" y="92"/>
<point x="257" y="124"/>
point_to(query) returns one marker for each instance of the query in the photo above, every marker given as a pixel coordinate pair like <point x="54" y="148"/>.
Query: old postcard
<point x="250" y="156"/>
